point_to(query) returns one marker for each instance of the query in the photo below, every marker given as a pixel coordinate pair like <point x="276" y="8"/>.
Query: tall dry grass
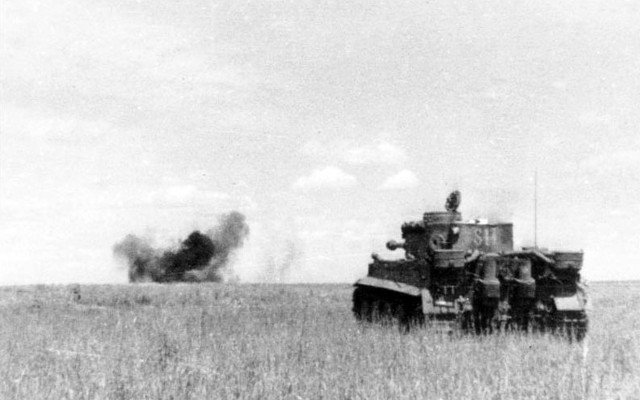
<point x="290" y="342"/>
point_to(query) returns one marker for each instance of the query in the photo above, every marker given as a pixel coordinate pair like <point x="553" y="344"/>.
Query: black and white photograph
<point x="277" y="199"/>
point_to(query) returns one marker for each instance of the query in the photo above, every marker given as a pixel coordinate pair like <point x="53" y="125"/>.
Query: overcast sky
<point x="327" y="123"/>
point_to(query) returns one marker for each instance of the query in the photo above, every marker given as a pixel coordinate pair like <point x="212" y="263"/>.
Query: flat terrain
<point x="290" y="342"/>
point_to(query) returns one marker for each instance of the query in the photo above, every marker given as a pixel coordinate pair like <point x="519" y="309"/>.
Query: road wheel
<point x="376" y="308"/>
<point x="366" y="310"/>
<point x="357" y="304"/>
<point x="386" y="313"/>
<point x="402" y="318"/>
<point x="466" y="322"/>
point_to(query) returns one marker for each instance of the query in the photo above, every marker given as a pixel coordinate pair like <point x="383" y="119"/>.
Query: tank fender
<point x="571" y="303"/>
<point x="584" y="296"/>
<point x="389" y="285"/>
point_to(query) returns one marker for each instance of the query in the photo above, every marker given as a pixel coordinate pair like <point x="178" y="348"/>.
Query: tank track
<point x="387" y="307"/>
<point x="572" y="325"/>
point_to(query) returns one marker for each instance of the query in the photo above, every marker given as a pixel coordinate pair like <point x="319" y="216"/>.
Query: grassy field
<point x="290" y="342"/>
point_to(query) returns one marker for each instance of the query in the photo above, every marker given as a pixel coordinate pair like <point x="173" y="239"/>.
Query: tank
<point x="466" y="276"/>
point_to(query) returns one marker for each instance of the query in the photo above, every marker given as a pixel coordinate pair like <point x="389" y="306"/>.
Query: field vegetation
<point x="216" y="341"/>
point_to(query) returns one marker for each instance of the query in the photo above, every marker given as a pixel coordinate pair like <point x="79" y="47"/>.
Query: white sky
<point x="327" y="123"/>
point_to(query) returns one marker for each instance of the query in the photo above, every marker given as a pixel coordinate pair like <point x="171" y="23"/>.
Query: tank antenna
<point x="535" y="209"/>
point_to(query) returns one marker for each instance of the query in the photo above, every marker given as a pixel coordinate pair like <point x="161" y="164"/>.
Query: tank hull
<point x="392" y="303"/>
<point x="466" y="277"/>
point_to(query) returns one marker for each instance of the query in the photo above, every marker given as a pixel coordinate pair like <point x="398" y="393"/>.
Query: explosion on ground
<point x="201" y="257"/>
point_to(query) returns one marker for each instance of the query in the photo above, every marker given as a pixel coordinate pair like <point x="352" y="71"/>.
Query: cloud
<point x="404" y="179"/>
<point x="179" y="194"/>
<point x="326" y="178"/>
<point x="111" y="55"/>
<point x="590" y="118"/>
<point x="559" y="85"/>
<point x="186" y="195"/>
<point x="613" y="162"/>
<point x="381" y="151"/>
<point x="21" y="125"/>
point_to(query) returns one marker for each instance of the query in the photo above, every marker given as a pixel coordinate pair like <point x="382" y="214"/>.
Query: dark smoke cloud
<point x="200" y="257"/>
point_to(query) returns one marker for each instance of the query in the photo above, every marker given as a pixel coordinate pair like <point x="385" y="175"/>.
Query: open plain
<point x="196" y="341"/>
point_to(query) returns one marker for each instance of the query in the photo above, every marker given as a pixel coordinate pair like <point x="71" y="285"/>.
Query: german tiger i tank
<point x="466" y="276"/>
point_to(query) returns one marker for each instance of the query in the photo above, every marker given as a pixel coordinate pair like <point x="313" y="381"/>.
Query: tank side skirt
<point x="381" y="304"/>
<point x="389" y="285"/>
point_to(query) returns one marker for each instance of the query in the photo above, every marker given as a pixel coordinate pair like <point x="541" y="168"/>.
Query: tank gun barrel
<point x="394" y="245"/>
